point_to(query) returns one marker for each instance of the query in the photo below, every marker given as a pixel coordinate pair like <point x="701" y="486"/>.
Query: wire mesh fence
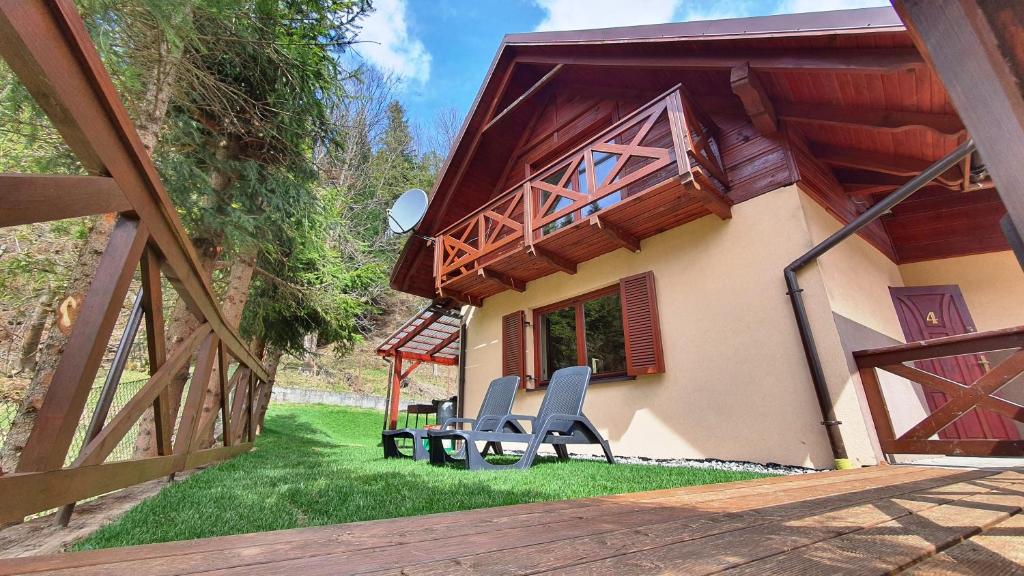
<point x="10" y="403"/>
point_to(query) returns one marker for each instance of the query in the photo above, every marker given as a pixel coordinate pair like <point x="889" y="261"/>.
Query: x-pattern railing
<point x="962" y="398"/>
<point x="46" y="45"/>
<point x="636" y="154"/>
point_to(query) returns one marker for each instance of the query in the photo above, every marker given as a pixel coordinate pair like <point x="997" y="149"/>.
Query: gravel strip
<point x="712" y="463"/>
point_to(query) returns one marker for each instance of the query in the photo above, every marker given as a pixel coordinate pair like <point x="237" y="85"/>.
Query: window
<point x="583" y="331"/>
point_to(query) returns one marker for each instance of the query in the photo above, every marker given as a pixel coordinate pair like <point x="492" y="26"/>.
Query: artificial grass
<point x="316" y="465"/>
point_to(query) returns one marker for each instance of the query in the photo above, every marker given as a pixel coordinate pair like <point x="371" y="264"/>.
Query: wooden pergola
<point x="433" y="336"/>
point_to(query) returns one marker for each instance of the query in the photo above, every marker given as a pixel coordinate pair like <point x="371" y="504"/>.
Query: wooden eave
<point x="869" y="46"/>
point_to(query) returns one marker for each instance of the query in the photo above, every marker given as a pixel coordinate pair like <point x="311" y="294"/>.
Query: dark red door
<point x="928" y="312"/>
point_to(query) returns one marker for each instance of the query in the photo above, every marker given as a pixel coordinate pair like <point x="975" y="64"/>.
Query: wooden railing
<point x="969" y="349"/>
<point x="47" y="47"/>
<point x="665" y="139"/>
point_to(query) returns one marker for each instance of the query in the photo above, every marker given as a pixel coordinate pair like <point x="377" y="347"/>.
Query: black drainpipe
<point x="828" y="414"/>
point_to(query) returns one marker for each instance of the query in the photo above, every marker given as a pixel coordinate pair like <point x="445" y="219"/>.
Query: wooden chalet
<point x="629" y="197"/>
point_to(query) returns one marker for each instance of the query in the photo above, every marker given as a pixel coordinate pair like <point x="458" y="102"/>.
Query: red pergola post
<point x="396" y="390"/>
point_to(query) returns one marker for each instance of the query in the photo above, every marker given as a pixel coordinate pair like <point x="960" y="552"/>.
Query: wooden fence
<point x="46" y="45"/>
<point x="962" y="396"/>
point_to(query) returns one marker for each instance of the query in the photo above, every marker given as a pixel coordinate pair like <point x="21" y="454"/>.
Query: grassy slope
<point x="321" y="465"/>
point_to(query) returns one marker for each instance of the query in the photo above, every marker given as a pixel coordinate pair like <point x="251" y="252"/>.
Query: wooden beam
<point x="616" y="234"/>
<point x="429" y="359"/>
<point x="238" y="401"/>
<point x="972" y="47"/>
<point x="707" y="194"/>
<point x="156" y="345"/>
<point x="225" y="406"/>
<point x="191" y="411"/>
<point x="863" y="179"/>
<point x="28" y="493"/>
<point x="415" y="329"/>
<point x="530" y="92"/>
<point x="503" y="280"/>
<point x="444" y="343"/>
<point x="747" y="86"/>
<point x="65" y="398"/>
<point x="551" y="259"/>
<point x="30" y="198"/>
<point x="867" y="60"/>
<point x="461" y="298"/>
<point x="883" y="163"/>
<point x="876" y="119"/>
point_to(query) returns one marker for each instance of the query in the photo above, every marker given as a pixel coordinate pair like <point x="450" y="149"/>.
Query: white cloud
<point x="585" y="14"/>
<point x="387" y="44"/>
<point x="793" y="6"/>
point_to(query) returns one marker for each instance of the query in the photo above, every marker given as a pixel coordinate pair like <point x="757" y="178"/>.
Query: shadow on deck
<point x="923" y="520"/>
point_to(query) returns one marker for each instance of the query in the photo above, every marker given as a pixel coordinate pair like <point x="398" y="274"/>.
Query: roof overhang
<point x="411" y="273"/>
<point x="431" y="336"/>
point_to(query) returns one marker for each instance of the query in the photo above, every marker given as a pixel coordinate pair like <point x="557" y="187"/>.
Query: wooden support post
<point x="156" y="345"/>
<point x="503" y="280"/>
<point x="396" y="391"/>
<point x="747" y="86"/>
<point x="65" y="399"/>
<point x="552" y="259"/>
<point x="251" y="420"/>
<point x="616" y="234"/>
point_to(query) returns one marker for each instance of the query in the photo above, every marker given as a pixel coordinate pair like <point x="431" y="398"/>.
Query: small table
<point x="425" y="409"/>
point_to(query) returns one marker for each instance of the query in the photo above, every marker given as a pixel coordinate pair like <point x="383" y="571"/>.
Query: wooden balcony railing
<point x="46" y="45"/>
<point x="969" y="355"/>
<point x="666" y="141"/>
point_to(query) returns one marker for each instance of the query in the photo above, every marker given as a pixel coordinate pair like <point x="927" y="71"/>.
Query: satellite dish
<point x="407" y="212"/>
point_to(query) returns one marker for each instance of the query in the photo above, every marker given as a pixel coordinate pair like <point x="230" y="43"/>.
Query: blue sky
<point x="441" y="49"/>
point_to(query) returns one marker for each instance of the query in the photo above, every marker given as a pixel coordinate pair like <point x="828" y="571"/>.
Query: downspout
<point x="828" y="414"/>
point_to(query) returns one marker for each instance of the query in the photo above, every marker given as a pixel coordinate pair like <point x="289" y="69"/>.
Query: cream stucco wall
<point x="992" y="285"/>
<point x="736" y="384"/>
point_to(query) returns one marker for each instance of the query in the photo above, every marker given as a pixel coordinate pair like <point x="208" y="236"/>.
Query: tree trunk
<point x="30" y="346"/>
<point x="271" y="361"/>
<point x="48" y="356"/>
<point x="309" y="358"/>
<point x="232" y="305"/>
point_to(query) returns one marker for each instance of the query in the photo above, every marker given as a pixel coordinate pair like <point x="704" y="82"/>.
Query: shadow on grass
<point x="318" y="465"/>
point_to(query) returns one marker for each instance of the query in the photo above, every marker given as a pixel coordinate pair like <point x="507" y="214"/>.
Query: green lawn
<point x="317" y="465"/>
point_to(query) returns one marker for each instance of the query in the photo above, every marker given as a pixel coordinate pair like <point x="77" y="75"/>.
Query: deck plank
<point x="562" y="554"/>
<point x="376" y="548"/>
<point x="999" y="550"/>
<point x="742" y="547"/>
<point x="871" y="520"/>
<point x="422" y="527"/>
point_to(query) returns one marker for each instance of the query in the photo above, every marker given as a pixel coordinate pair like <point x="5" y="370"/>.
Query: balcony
<point x="653" y="170"/>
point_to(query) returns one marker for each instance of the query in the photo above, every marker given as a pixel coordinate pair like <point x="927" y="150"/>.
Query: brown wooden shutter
<point x="644" y="354"/>
<point x="513" y="345"/>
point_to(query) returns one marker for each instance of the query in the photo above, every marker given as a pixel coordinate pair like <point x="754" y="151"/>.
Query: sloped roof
<point x="432" y="335"/>
<point x="867" y="28"/>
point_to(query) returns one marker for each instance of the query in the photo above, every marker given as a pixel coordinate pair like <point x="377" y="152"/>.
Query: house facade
<point x="628" y="199"/>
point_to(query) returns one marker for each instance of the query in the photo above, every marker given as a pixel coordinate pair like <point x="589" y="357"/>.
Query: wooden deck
<point x="867" y="521"/>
